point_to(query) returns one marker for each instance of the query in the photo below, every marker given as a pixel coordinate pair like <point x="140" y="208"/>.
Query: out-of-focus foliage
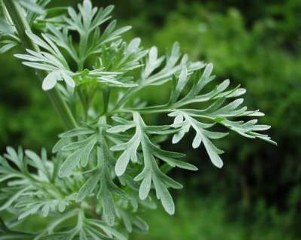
<point x="256" y="43"/>
<point x="206" y="218"/>
<point x="26" y="116"/>
<point x="268" y="63"/>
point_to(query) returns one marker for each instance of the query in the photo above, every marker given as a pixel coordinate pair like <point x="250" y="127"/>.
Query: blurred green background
<point x="255" y="43"/>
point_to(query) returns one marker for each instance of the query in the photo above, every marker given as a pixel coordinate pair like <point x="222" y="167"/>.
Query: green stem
<point x="126" y="97"/>
<point x="106" y="100"/>
<point x="84" y="102"/>
<point x="22" y="26"/>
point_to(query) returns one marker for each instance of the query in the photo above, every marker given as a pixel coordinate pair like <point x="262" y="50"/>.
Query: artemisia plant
<point x="108" y="165"/>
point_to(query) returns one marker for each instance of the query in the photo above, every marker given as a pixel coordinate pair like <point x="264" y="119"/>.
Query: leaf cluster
<point x="111" y="166"/>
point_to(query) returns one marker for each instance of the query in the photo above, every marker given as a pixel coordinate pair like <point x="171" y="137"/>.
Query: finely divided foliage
<point x="110" y="165"/>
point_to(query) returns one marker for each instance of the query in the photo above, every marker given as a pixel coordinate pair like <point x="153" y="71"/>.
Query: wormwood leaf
<point x="50" y="80"/>
<point x="151" y="173"/>
<point x="13" y="198"/>
<point x="30" y="5"/>
<point x="51" y="60"/>
<point x="165" y="197"/>
<point x="70" y="164"/>
<point x="40" y="163"/>
<point x="43" y="206"/>
<point x="77" y="132"/>
<point x="5" y="28"/>
<point x="28" y="188"/>
<point x="202" y="135"/>
<point x="87" y="151"/>
<point x="88" y="187"/>
<point x="145" y="187"/>
<point x="171" y="159"/>
<point x="106" y="169"/>
<point x="130" y="151"/>
<point x="183" y="78"/>
<point x="79" y="152"/>
<point x="7" y="45"/>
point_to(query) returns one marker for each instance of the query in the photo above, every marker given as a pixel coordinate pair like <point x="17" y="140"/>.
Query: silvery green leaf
<point x="30" y="5"/>
<point x="204" y="80"/>
<point x="130" y="153"/>
<point x="88" y="187"/>
<point x="87" y="151"/>
<point x="13" y="198"/>
<point x="145" y="187"/>
<point x="71" y="162"/>
<point x="120" y="128"/>
<point x="165" y="197"/>
<point x="109" y="209"/>
<point x="133" y="46"/>
<point x="68" y="80"/>
<point x="29" y="211"/>
<point x="50" y="80"/>
<point x="213" y="153"/>
<point x="109" y="166"/>
<point x="141" y="225"/>
<point x="102" y="16"/>
<point x="174" y="55"/>
<point x="122" y="163"/>
<point x="77" y="132"/>
<point x="5" y="28"/>
<point x="183" y="78"/>
<point x="7" y="47"/>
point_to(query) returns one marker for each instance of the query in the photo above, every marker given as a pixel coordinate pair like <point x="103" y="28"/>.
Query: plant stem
<point x="22" y="26"/>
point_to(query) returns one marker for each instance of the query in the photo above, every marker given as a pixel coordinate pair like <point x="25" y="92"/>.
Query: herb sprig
<point x="109" y="165"/>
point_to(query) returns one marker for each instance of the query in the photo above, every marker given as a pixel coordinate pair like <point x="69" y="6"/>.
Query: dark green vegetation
<point x="253" y="43"/>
